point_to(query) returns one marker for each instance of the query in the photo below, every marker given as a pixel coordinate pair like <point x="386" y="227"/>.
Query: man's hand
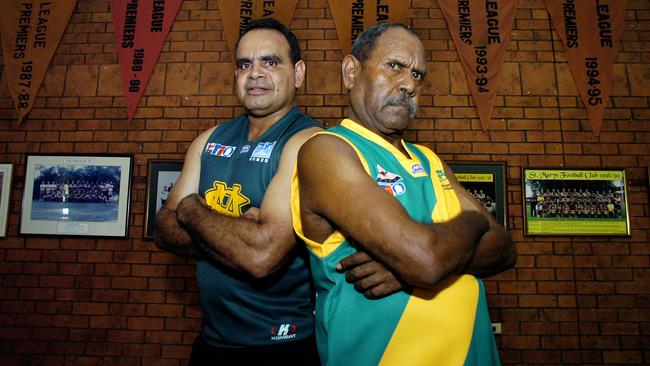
<point x="170" y="236"/>
<point x="253" y="214"/>
<point x="370" y="277"/>
<point x="186" y="209"/>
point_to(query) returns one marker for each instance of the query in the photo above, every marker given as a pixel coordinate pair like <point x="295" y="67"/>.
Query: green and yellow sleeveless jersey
<point x="446" y="326"/>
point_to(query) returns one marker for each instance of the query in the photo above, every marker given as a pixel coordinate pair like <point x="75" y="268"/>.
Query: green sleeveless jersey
<point x="239" y="311"/>
<point x="446" y="326"/>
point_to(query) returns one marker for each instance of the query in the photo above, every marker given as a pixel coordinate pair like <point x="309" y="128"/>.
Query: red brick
<point x="160" y="310"/>
<point x="145" y="323"/>
<point x="181" y="352"/>
<point x="128" y="336"/>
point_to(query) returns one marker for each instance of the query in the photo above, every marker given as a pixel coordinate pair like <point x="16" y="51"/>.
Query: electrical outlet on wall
<point x="496" y="328"/>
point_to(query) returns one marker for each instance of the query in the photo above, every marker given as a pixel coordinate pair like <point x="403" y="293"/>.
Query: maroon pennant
<point x="141" y="28"/>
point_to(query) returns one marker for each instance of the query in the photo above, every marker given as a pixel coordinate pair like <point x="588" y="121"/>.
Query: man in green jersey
<point x="363" y="198"/>
<point x="230" y="209"/>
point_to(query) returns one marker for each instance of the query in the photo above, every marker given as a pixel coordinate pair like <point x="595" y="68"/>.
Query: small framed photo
<point x="6" y="171"/>
<point x="560" y="201"/>
<point x="76" y="195"/>
<point x="487" y="183"/>
<point x="162" y="177"/>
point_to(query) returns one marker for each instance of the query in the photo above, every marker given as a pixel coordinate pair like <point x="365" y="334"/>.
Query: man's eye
<point x="393" y="65"/>
<point x="271" y="63"/>
<point x="245" y="66"/>
<point x="417" y="75"/>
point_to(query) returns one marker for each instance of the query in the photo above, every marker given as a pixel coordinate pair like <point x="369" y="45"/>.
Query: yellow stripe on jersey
<point x="324" y="249"/>
<point x="447" y="204"/>
<point x="436" y="327"/>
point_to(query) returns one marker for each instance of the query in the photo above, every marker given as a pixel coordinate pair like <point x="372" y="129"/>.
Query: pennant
<point x="480" y="31"/>
<point x="590" y="32"/>
<point x="141" y="28"/>
<point x="352" y="17"/>
<point x="236" y="14"/>
<point x="31" y="32"/>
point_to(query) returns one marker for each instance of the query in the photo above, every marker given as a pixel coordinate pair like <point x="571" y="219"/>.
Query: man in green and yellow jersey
<point x="364" y="200"/>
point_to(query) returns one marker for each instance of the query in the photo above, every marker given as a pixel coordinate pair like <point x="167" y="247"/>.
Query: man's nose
<point x="256" y="71"/>
<point x="407" y="84"/>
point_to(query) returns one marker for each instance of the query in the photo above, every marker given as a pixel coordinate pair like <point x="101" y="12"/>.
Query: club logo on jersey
<point x="262" y="152"/>
<point x="416" y="168"/>
<point x="226" y="200"/>
<point x="283" y="331"/>
<point x="245" y="149"/>
<point x="444" y="181"/>
<point x="213" y="148"/>
<point x="390" y="182"/>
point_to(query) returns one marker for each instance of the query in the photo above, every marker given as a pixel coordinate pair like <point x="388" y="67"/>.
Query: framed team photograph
<point x="6" y="171"/>
<point x="76" y="195"/>
<point x="487" y="183"/>
<point x="161" y="179"/>
<point x="561" y="201"/>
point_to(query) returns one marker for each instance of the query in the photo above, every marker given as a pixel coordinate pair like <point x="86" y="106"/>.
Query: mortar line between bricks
<point x="573" y="252"/>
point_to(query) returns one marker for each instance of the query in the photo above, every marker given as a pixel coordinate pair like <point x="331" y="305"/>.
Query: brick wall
<point x="85" y="301"/>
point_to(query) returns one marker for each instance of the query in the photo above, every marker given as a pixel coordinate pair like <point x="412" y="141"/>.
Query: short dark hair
<point x="365" y="43"/>
<point x="270" y="23"/>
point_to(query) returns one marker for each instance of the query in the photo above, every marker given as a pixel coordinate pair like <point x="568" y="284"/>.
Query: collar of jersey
<point x="291" y="114"/>
<point x="406" y="161"/>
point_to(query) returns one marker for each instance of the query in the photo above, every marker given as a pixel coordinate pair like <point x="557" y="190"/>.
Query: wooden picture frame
<point x="6" y="171"/>
<point x="485" y="181"/>
<point x="162" y="175"/>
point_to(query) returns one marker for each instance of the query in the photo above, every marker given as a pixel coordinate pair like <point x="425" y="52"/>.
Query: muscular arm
<point x="495" y="251"/>
<point x="339" y="190"/>
<point x="169" y="233"/>
<point x="260" y="246"/>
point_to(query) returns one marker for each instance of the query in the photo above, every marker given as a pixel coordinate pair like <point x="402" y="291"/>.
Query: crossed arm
<point x="257" y="243"/>
<point x="417" y="254"/>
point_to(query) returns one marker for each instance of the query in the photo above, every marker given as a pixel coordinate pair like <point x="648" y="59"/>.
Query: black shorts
<point x="302" y="352"/>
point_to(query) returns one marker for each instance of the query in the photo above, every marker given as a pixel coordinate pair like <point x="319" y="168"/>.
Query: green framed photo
<point x="161" y="179"/>
<point x="487" y="183"/>
<point x="562" y="201"/>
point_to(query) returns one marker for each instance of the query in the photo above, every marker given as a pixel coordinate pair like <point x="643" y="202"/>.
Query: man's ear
<point x="350" y="68"/>
<point x="299" y="69"/>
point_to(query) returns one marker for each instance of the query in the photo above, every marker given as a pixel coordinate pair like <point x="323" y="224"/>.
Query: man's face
<point x="266" y="77"/>
<point x="384" y="91"/>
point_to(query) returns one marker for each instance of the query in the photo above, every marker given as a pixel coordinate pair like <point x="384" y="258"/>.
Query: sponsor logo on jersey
<point x="226" y="200"/>
<point x="262" y="152"/>
<point x="390" y="182"/>
<point x="283" y="331"/>
<point x="216" y="149"/>
<point x="416" y="168"/>
<point x="444" y="181"/>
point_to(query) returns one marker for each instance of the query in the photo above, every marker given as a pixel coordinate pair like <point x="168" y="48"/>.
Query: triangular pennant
<point x="31" y="32"/>
<point x="235" y="15"/>
<point x="591" y="32"/>
<point x="352" y="17"/>
<point x="141" y="29"/>
<point x="480" y="31"/>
